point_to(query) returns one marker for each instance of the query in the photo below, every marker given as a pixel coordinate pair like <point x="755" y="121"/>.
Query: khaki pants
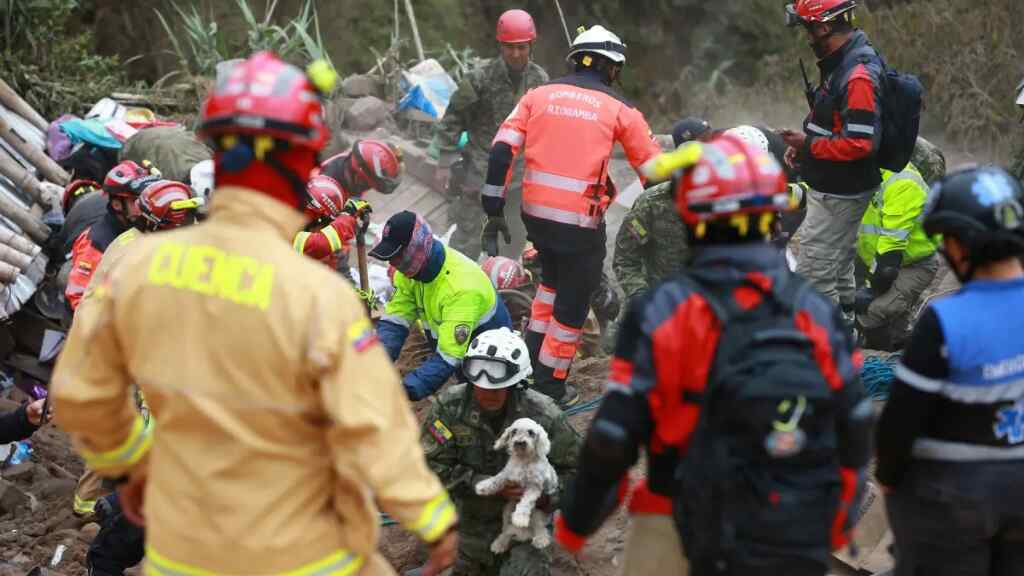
<point x="828" y="237"/>
<point x="653" y="547"/>
<point x="894" y="308"/>
<point x="90" y="489"/>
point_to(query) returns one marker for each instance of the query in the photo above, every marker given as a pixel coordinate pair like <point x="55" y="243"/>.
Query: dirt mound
<point x="33" y="532"/>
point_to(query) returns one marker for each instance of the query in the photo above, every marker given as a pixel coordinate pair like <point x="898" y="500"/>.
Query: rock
<point x="56" y="487"/>
<point x="11" y="497"/>
<point x="419" y="165"/>
<point x="367" y="113"/>
<point x="88" y="532"/>
<point x="24" y="470"/>
<point x="359" y="85"/>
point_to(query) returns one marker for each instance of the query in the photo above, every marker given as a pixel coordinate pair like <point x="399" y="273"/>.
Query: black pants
<point x="959" y="519"/>
<point x="119" y="545"/>
<point x="571" y="261"/>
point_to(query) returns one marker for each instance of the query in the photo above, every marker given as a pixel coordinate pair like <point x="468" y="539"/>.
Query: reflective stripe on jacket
<point x="567" y="130"/>
<point x="893" y="219"/>
<point x="277" y="434"/>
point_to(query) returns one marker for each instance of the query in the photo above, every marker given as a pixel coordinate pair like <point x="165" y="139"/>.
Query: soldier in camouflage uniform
<point x="458" y="439"/>
<point x="929" y="161"/>
<point x="485" y="96"/>
<point x="652" y="243"/>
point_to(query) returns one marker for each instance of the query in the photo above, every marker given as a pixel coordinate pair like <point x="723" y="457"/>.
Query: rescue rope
<point x="877" y="375"/>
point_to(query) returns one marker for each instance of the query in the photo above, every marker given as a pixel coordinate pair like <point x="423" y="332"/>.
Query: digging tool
<point x="364" y="273"/>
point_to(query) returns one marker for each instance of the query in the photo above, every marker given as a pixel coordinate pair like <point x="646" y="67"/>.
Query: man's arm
<point x="91" y="391"/>
<point x="455" y="121"/>
<point x="439" y="446"/>
<point x="861" y="115"/>
<point x="912" y="398"/>
<point x="373" y="432"/>
<point x="630" y="242"/>
<point x="332" y="238"/>
<point x="510" y="138"/>
<point x="622" y="424"/>
<point x="637" y="140"/>
<point x="15" y="426"/>
<point x="399" y="315"/>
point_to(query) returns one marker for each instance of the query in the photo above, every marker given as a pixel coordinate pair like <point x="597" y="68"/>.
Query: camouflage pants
<point x="893" y="309"/>
<point x="475" y="558"/>
<point x="466" y="210"/>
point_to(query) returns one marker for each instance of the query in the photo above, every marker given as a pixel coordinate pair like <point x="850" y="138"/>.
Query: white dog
<point x="528" y="446"/>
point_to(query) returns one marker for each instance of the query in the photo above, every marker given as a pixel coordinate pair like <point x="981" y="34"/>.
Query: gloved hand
<point x="798" y="196"/>
<point x="887" y="269"/>
<point x="863" y="299"/>
<point x="345" y="225"/>
<point x="489" y="237"/>
<point x="357" y="207"/>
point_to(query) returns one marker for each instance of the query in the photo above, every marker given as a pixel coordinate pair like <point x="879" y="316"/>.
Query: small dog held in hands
<point x="527" y="445"/>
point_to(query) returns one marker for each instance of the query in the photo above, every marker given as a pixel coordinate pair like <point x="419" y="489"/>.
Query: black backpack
<point x="758" y="485"/>
<point x="902" y="102"/>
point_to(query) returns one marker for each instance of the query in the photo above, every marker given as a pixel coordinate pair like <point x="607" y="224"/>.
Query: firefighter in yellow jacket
<point x="276" y="432"/>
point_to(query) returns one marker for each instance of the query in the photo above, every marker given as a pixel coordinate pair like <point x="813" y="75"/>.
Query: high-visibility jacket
<point x="274" y="436"/>
<point x="567" y="129"/>
<point x="456" y="304"/>
<point x="86" y="254"/>
<point x="893" y="220"/>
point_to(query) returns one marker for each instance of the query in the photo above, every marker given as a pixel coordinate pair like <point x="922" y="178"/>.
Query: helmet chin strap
<point x="297" y="184"/>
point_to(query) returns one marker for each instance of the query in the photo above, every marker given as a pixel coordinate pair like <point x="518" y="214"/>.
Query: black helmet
<point x="983" y="208"/>
<point x="689" y="129"/>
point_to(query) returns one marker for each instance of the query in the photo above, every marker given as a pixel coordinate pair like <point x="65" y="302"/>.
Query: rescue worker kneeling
<point x="277" y="433"/>
<point x="440" y="287"/>
<point x="740" y="383"/>
<point x="899" y="257"/>
<point x="458" y="438"/>
<point x="335" y="220"/>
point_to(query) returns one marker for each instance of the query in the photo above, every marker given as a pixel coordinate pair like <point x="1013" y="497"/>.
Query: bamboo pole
<point x="21" y="178"/>
<point x="32" y="226"/>
<point x="16" y="104"/>
<point x="14" y="257"/>
<point x="18" y="242"/>
<point x="46" y="166"/>
<point x="415" y="30"/>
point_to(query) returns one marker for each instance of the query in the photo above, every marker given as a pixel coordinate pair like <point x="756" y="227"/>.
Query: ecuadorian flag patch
<point x="440" y="432"/>
<point x="361" y="335"/>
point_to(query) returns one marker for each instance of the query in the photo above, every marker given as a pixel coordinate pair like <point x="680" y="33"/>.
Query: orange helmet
<point x="817" y="11"/>
<point x="730" y="177"/>
<point x="166" y="204"/>
<point x="516" y="26"/>
<point x="326" y="198"/>
<point x="505" y="273"/>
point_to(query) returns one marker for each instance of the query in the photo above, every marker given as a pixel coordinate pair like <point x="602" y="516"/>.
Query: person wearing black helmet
<point x="951" y="437"/>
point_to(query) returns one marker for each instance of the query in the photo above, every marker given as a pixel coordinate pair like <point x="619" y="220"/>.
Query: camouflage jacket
<point x="652" y="243"/>
<point x="484" y="97"/>
<point x="929" y="161"/>
<point x="459" y="443"/>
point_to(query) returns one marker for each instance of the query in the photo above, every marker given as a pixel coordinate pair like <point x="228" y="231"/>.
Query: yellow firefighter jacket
<point x="278" y="420"/>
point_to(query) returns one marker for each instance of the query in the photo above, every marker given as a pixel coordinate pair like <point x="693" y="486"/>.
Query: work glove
<point x="798" y="196"/>
<point x="887" y="269"/>
<point x="356" y="207"/>
<point x="862" y="300"/>
<point x="489" y="237"/>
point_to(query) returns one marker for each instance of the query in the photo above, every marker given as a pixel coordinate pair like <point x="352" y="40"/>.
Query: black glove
<point x="863" y="299"/>
<point x="489" y="237"/>
<point x="887" y="268"/>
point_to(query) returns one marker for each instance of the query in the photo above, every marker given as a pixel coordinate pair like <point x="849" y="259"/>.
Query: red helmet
<point x="516" y="26"/>
<point x="75" y="191"/>
<point x="166" y="204"/>
<point x="326" y="198"/>
<point x="817" y="11"/>
<point x="118" y="182"/>
<point x="731" y="177"/>
<point x="505" y="273"/>
<point x="265" y="96"/>
<point x="376" y="165"/>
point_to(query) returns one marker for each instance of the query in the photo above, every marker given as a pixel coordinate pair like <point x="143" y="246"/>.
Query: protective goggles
<point x="494" y="370"/>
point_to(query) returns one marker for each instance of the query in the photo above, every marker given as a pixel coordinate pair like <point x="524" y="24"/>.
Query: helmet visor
<point x="492" y="370"/>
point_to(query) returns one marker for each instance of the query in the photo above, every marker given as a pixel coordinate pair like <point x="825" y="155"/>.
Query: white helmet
<point x="201" y="180"/>
<point x="497" y="359"/>
<point x="598" y="40"/>
<point x="750" y="135"/>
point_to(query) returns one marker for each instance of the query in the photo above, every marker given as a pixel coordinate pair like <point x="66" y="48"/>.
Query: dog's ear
<point x="543" y="443"/>
<point x="503" y="439"/>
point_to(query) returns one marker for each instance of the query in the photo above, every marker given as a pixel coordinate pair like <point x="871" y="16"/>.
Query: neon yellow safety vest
<point x="893" y="220"/>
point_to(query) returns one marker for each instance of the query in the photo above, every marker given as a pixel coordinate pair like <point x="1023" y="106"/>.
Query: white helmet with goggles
<point x="497" y="359"/>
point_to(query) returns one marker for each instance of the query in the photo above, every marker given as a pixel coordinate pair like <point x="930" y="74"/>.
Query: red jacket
<point x="86" y="253"/>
